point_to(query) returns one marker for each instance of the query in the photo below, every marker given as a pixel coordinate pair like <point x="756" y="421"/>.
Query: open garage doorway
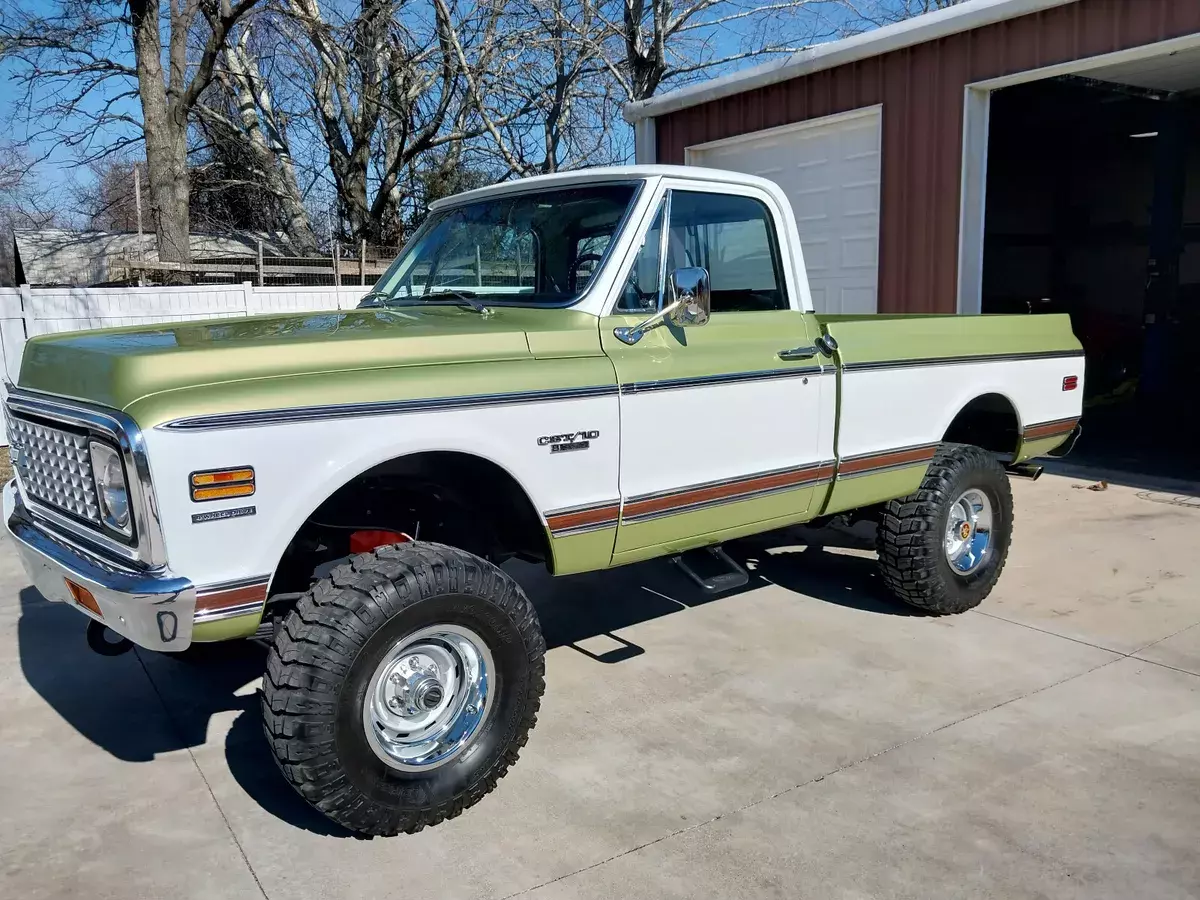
<point x="1093" y="209"/>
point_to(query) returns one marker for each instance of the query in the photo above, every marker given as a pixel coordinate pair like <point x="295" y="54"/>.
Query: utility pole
<point x="137" y="199"/>
<point x="333" y="252"/>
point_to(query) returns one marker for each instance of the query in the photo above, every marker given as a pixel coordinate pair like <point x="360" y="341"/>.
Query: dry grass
<point x="6" y="470"/>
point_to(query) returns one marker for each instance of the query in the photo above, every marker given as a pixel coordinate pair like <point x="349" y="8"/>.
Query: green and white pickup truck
<point x="583" y="369"/>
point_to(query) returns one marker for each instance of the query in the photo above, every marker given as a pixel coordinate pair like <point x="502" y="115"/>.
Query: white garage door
<point x="829" y="169"/>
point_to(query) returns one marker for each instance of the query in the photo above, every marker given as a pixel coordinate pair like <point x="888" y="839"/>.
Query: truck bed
<point x="906" y="383"/>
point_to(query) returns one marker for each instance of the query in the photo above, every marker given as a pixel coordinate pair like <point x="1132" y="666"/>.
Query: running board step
<point x="720" y="572"/>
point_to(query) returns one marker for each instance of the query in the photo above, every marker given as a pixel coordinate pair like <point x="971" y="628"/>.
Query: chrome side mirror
<point x="693" y="299"/>
<point x="691" y="304"/>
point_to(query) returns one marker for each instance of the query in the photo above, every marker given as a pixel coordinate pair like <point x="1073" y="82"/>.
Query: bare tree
<point x="75" y="66"/>
<point x="168" y="98"/>
<point x="23" y="204"/>
<point x="385" y="86"/>
<point x="108" y="200"/>
<point x="863" y="15"/>
<point x="14" y="170"/>
<point x="238" y="116"/>
<point x="275" y="112"/>
<point x="652" y="42"/>
<point x="556" y="97"/>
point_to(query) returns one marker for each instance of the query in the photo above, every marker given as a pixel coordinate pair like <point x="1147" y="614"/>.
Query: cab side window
<point x="734" y="239"/>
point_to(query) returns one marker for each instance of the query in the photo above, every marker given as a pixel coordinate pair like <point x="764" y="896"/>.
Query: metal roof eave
<point x="917" y="30"/>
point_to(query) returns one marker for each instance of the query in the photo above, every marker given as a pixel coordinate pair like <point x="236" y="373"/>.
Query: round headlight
<point x="109" y="475"/>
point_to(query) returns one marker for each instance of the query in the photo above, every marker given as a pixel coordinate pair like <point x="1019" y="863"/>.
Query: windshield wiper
<point x="465" y="299"/>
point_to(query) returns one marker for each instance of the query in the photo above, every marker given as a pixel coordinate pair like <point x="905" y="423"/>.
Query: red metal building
<point x="904" y="114"/>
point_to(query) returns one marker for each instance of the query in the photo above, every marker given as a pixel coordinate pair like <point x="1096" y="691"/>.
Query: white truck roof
<point x="606" y="173"/>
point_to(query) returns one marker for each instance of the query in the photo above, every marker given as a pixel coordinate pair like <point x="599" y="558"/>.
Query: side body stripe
<point x="1049" y="429"/>
<point x="884" y="460"/>
<point x="665" y="503"/>
<point x="382" y="408"/>
<point x="578" y="519"/>
<point x="433" y="404"/>
<point x="672" y="384"/>
<point x="645" y="507"/>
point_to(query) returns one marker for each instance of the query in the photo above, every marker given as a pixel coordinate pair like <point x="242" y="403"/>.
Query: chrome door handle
<point x="798" y="353"/>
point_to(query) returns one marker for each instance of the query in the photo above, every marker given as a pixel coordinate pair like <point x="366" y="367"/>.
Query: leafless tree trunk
<point x="168" y="99"/>
<point x="261" y="128"/>
<point x="70" y="60"/>
<point x="165" y="125"/>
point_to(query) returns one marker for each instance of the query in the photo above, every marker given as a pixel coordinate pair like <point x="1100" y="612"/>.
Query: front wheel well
<point x="989" y="421"/>
<point x="450" y="497"/>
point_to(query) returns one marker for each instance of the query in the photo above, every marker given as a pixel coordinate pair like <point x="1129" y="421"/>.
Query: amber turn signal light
<point x="220" y="484"/>
<point x="83" y="597"/>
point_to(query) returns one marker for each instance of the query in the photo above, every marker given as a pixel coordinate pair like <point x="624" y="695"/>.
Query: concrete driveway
<point x="804" y="738"/>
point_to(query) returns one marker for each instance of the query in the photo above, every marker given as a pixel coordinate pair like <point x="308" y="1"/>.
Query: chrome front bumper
<point x="153" y="609"/>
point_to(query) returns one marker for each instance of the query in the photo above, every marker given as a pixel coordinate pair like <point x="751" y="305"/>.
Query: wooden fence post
<point x="260" y="263"/>
<point x="362" y="263"/>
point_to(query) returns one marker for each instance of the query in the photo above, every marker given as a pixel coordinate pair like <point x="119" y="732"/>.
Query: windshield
<point x="522" y="249"/>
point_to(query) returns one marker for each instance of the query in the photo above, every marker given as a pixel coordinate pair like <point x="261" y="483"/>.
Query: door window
<point x="733" y="237"/>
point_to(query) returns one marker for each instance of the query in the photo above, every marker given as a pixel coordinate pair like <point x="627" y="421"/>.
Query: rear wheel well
<point x="453" y="498"/>
<point x="990" y="422"/>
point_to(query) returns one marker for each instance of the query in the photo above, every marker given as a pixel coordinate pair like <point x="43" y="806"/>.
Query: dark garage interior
<point x="1093" y="209"/>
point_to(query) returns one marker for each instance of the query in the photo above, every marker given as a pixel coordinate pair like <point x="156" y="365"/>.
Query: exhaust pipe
<point x="1025" y="470"/>
<point x="97" y="638"/>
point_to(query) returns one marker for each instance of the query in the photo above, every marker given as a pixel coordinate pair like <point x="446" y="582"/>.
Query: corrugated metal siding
<point x="921" y="89"/>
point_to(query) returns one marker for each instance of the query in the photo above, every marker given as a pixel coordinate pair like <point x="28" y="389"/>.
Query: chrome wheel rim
<point x="428" y="698"/>
<point x="968" y="540"/>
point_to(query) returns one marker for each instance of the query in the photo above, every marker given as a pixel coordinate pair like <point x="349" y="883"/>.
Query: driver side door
<point x="720" y="435"/>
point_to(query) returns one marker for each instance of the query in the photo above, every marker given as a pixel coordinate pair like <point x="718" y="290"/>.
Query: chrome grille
<point x="53" y="466"/>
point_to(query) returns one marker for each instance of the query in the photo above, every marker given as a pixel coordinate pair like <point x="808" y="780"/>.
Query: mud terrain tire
<point x="331" y="647"/>
<point x="912" y="540"/>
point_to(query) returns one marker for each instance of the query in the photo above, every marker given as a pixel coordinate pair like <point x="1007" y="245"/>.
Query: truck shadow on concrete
<point x="143" y="704"/>
<point x="831" y="565"/>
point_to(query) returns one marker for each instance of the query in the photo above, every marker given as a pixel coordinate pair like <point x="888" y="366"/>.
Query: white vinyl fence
<point x="27" y="312"/>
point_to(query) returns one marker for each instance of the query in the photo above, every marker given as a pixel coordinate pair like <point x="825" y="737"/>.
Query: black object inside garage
<point x="1093" y="209"/>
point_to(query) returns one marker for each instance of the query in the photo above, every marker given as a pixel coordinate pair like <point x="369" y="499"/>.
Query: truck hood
<point x="119" y="366"/>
